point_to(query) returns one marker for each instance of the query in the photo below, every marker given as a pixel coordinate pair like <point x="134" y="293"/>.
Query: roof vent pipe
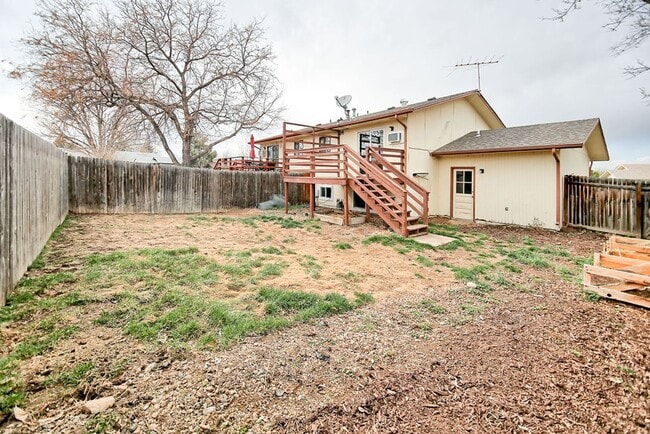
<point x="403" y="102"/>
<point x="354" y="113"/>
<point x="478" y="133"/>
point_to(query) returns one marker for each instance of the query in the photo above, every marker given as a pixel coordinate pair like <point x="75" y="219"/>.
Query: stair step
<point x="416" y="228"/>
<point x="412" y="218"/>
<point x="387" y="201"/>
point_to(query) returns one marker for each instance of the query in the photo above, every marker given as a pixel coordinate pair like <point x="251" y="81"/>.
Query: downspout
<point x="406" y="143"/>
<point x="591" y="165"/>
<point x="555" y="153"/>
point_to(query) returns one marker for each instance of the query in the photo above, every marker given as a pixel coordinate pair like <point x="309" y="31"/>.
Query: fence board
<point x="619" y="206"/>
<point x="33" y="199"/>
<point x="107" y="187"/>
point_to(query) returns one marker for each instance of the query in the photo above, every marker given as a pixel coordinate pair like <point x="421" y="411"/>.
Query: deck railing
<point x="385" y="188"/>
<point x="246" y="164"/>
<point x="326" y="162"/>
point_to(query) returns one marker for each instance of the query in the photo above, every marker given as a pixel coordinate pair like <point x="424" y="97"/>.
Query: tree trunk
<point x="187" y="156"/>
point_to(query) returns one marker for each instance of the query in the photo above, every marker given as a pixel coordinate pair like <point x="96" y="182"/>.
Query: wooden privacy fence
<point x="103" y="186"/>
<point x="39" y="185"/>
<point x="619" y="206"/>
<point x="33" y="199"/>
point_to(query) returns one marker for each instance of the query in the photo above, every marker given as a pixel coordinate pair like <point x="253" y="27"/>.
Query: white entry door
<point x="463" y="196"/>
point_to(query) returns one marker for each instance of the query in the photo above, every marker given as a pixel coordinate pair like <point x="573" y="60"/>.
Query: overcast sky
<point x="382" y="51"/>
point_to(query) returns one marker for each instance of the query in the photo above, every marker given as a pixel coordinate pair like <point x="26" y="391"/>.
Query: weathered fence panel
<point x="33" y="199"/>
<point x="102" y="186"/>
<point x="620" y="206"/>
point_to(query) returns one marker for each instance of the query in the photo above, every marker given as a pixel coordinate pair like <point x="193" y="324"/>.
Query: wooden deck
<point x="378" y="178"/>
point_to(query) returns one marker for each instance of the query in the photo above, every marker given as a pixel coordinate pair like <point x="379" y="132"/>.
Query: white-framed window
<point x="298" y="145"/>
<point x="370" y="138"/>
<point x="464" y="182"/>
<point x="325" y="192"/>
<point x="273" y="153"/>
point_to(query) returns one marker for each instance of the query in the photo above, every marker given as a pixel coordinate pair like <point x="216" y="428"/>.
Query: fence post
<point x="565" y="202"/>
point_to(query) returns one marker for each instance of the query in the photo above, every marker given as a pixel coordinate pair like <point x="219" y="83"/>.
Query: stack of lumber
<point x="622" y="271"/>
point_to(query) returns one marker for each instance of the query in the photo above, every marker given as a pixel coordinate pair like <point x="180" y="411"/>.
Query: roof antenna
<point x="343" y="101"/>
<point x="478" y="64"/>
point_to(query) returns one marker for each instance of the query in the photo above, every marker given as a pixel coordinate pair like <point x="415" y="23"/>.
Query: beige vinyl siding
<point x="420" y="162"/>
<point x="438" y="125"/>
<point x="572" y="162"/>
<point x="430" y="129"/>
<point x="350" y="137"/>
<point x="514" y="188"/>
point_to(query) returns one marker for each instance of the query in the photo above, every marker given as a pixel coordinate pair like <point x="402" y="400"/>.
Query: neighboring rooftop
<point x="142" y="157"/>
<point x="629" y="171"/>
<point x="569" y="134"/>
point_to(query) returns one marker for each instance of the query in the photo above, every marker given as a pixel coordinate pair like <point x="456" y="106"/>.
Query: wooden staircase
<point x="398" y="200"/>
<point x="379" y="178"/>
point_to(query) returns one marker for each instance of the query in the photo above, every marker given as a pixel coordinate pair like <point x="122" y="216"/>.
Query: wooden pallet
<point x="622" y="271"/>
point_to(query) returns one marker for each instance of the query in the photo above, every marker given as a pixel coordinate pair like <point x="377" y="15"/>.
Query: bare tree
<point x="96" y="130"/>
<point x="634" y="15"/>
<point x="174" y="62"/>
<point x="72" y="115"/>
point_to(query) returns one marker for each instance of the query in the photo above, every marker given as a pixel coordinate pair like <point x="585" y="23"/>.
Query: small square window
<point x="325" y="192"/>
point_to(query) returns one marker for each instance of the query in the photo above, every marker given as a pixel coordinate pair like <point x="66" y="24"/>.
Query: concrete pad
<point x="434" y="240"/>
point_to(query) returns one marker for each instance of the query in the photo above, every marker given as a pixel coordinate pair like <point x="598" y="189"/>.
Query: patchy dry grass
<point x="159" y="296"/>
<point x="205" y="300"/>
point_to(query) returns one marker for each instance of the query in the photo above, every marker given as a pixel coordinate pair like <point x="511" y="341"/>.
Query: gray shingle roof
<point x="528" y="137"/>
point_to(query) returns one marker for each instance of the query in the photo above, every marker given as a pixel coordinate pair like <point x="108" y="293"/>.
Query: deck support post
<point x="346" y="208"/>
<point x="312" y="200"/>
<point x="286" y="198"/>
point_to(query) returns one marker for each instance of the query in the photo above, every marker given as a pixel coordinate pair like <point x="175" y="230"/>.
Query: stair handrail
<point x="399" y="221"/>
<point x="424" y="201"/>
<point x="378" y="173"/>
<point x="391" y="153"/>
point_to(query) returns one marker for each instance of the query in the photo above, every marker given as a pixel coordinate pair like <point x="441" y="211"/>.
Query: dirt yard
<point x="492" y="333"/>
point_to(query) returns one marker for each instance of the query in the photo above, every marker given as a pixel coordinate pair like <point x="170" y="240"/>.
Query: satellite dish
<point x="343" y="101"/>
